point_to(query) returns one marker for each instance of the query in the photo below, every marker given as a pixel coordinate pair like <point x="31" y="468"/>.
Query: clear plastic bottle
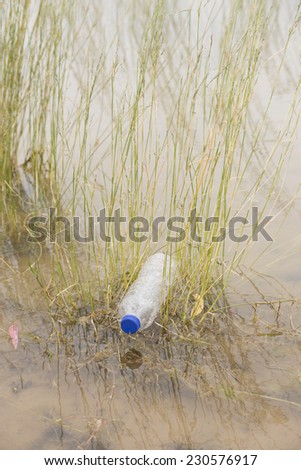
<point x="141" y="304"/>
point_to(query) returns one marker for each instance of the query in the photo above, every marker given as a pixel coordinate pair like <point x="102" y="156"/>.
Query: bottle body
<point x="141" y="304"/>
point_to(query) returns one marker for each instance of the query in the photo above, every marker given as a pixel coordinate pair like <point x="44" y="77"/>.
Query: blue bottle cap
<point x="130" y="324"/>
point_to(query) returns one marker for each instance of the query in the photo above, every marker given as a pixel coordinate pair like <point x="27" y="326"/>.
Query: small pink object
<point x="13" y="332"/>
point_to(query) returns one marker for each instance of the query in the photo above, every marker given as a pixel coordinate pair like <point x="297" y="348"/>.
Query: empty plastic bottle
<point x="141" y="304"/>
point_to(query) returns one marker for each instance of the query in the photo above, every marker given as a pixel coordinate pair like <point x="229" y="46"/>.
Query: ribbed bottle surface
<point x="141" y="304"/>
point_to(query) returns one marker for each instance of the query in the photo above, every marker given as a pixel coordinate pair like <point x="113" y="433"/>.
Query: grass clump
<point x="155" y="116"/>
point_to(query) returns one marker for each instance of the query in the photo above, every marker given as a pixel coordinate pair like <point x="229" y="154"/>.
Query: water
<point x="85" y="385"/>
<point x="238" y="387"/>
<point x="234" y="382"/>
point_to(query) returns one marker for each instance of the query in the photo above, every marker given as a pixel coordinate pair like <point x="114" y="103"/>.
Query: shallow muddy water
<point x="234" y="382"/>
<point x="83" y="384"/>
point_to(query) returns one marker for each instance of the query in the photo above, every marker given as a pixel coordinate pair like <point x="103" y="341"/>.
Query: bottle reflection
<point x="132" y="359"/>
